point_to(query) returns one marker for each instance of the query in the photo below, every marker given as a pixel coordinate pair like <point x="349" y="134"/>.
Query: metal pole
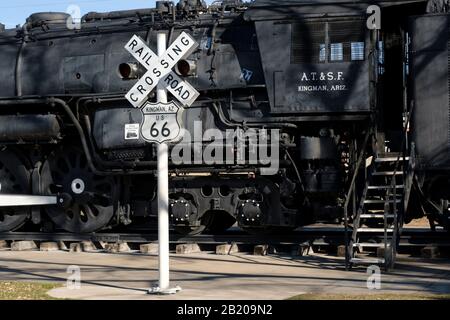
<point x="163" y="189"/>
<point x="163" y="194"/>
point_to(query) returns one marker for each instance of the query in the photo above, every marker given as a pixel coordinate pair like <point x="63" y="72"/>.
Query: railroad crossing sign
<point x="160" y="120"/>
<point x="159" y="69"/>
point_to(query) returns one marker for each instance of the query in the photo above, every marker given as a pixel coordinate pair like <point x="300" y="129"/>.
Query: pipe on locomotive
<point x="19" y="59"/>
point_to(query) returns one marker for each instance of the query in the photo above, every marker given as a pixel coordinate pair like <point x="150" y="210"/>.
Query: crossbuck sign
<point x="160" y="120"/>
<point x="159" y="69"/>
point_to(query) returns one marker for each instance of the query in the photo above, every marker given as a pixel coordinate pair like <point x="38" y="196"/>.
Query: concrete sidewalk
<point x="209" y="276"/>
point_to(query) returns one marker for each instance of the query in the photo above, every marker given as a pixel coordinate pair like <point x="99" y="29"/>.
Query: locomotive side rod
<point x="20" y="200"/>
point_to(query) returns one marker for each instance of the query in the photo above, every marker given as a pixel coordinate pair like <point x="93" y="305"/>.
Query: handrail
<point x="358" y="164"/>
<point x="402" y="145"/>
<point x="392" y="187"/>
<point x="349" y="193"/>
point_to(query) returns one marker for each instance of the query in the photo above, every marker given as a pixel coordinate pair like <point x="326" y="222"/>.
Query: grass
<point x="12" y="290"/>
<point x="378" y="296"/>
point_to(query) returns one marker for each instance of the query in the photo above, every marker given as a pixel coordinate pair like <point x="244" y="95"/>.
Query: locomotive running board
<point x="20" y="200"/>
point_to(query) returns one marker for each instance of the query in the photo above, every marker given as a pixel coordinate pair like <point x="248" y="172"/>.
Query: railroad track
<point x="316" y="236"/>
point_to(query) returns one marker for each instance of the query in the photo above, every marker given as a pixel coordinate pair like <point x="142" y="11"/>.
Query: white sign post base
<point x="163" y="198"/>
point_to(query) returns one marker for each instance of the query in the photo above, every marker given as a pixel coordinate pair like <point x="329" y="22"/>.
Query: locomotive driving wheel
<point x="91" y="199"/>
<point x="14" y="179"/>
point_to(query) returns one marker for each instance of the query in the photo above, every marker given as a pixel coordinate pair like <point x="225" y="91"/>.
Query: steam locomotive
<point x="314" y="71"/>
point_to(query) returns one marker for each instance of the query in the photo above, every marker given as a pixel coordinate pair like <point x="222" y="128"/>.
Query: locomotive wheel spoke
<point x="14" y="179"/>
<point x="93" y="197"/>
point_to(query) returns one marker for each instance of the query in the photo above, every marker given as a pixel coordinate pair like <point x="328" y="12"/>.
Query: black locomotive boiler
<point x="335" y="89"/>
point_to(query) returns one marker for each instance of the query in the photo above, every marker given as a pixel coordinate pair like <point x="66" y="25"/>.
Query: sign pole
<point x="163" y="195"/>
<point x="161" y="122"/>
<point x="163" y="189"/>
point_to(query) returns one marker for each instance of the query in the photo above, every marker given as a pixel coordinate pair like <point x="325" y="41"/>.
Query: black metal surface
<point x="309" y="85"/>
<point x="29" y="128"/>
<point x="106" y="126"/>
<point x="430" y="88"/>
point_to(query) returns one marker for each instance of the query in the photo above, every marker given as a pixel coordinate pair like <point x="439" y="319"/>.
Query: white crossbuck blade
<point x="159" y="69"/>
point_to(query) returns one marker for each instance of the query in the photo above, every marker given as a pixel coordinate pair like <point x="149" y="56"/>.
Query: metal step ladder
<point x="379" y="212"/>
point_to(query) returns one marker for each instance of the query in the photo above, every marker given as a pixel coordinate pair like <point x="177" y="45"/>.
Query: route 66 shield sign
<point x="160" y="122"/>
